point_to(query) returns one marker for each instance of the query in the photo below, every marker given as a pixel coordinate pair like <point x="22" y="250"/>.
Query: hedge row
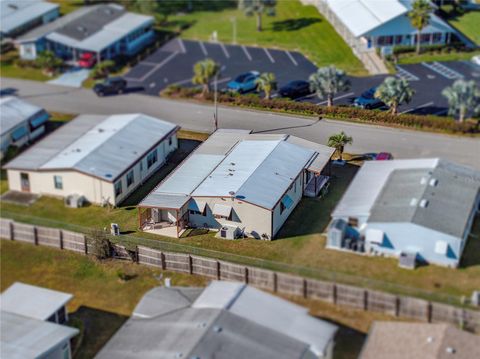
<point x="435" y="123"/>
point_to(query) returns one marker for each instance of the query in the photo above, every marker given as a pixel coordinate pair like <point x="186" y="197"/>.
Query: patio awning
<point x="287" y="201"/>
<point x="222" y="210"/>
<point x="196" y="205"/>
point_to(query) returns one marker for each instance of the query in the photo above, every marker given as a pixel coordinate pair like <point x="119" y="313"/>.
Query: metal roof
<point x="362" y="16"/>
<point x="257" y="167"/>
<point x="14" y="13"/>
<point x="32" y="301"/>
<point x="448" y="191"/>
<point x="101" y="146"/>
<point x="14" y="111"/>
<point x="360" y="196"/>
<point x="22" y="337"/>
<point x="208" y="326"/>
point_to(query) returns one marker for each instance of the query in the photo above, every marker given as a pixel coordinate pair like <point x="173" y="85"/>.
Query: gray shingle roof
<point x="448" y="190"/>
<point x="101" y="146"/>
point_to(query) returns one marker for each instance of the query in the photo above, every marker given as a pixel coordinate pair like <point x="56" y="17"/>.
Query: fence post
<point x="137" y="256"/>
<point x="365" y="300"/>
<point x="35" y="235"/>
<point x="397" y="306"/>
<point x="275" y="282"/>
<point x="246" y="275"/>
<point x="304" y="288"/>
<point x="162" y="260"/>
<point x="60" y="237"/>
<point x="334" y="293"/>
<point x="429" y="312"/>
<point x="218" y="270"/>
<point x="12" y="231"/>
<point x="85" y="242"/>
<point x="190" y="264"/>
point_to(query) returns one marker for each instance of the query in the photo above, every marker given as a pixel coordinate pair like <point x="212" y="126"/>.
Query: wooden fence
<point x="339" y="294"/>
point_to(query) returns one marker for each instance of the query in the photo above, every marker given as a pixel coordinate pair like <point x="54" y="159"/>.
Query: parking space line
<point x="148" y="63"/>
<point x="202" y="46"/>
<point x="247" y="54"/>
<point x="305" y="97"/>
<point x="418" y="107"/>
<point x="227" y="55"/>
<point x="158" y="66"/>
<point x="337" y="98"/>
<point x="443" y="70"/>
<point x="404" y="74"/>
<point x="269" y="56"/>
<point x="291" y="58"/>
<point x="182" y="46"/>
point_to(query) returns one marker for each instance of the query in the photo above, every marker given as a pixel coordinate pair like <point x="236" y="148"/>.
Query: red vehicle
<point x="87" y="60"/>
<point x="383" y="156"/>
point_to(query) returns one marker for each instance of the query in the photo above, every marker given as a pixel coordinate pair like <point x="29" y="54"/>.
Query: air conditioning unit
<point x="74" y="201"/>
<point x="228" y="232"/>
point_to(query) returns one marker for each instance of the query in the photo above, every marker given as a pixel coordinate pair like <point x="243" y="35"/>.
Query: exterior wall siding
<point x="296" y="194"/>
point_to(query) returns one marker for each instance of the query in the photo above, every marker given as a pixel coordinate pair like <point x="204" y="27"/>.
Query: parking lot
<point x="173" y="64"/>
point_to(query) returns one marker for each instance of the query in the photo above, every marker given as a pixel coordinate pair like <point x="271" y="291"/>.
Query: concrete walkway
<point x="71" y="78"/>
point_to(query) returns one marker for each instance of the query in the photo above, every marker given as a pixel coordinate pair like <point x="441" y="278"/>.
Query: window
<point x="58" y="181"/>
<point x="198" y="213"/>
<point x="170" y="141"/>
<point x="118" y="188"/>
<point x="130" y="178"/>
<point x="152" y="158"/>
<point x="282" y="207"/>
<point x="141" y="165"/>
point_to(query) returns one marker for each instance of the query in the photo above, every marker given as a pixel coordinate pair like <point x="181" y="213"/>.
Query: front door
<point x="156" y="215"/>
<point x="24" y="182"/>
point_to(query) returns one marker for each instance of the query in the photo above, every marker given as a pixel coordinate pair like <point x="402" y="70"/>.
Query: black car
<point x="110" y="86"/>
<point x="295" y="89"/>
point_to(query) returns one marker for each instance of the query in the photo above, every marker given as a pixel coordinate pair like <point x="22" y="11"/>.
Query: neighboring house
<point x="19" y="16"/>
<point x="239" y="183"/>
<point x="226" y="320"/>
<point x="105" y="30"/>
<point x="370" y="24"/>
<point x="102" y="158"/>
<point x="395" y="340"/>
<point x="29" y="321"/>
<point x="423" y="209"/>
<point x="20" y="122"/>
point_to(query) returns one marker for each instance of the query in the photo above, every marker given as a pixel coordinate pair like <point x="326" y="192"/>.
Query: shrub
<point x="103" y="69"/>
<point x="434" y="123"/>
<point x="99" y="244"/>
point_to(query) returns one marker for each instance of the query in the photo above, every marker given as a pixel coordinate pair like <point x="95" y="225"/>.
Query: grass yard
<point x="102" y="303"/>
<point x="8" y="68"/>
<point x="295" y="27"/>
<point x="468" y="23"/>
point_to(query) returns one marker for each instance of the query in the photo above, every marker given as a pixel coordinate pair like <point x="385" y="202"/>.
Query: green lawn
<point x="295" y="27"/>
<point x="8" y="68"/>
<point x="469" y="24"/>
<point x="102" y="303"/>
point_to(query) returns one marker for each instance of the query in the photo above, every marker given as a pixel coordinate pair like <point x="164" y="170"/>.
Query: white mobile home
<point x="101" y="158"/>
<point x="20" y="122"/>
<point x="238" y="183"/>
<point x="423" y="209"/>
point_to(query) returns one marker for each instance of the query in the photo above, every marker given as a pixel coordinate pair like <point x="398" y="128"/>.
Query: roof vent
<point x="413" y="202"/>
<point x="232" y="163"/>
<point x="81" y="28"/>
<point x="450" y="350"/>
<point x="231" y="193"/>
<point x="433" y="182"/>
<point x="179" y="355"/>
<point x="13" y="6"/>
<point x="101" y="130"/>
<point x="424" y="203"/>
<point x="424" y="180"/>
<point x="430" y="340"/>
<point x="217" y="328"/>
<point x="108" y="11"/>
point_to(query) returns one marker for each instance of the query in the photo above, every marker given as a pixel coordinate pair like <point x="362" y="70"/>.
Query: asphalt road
<point x="197" y="117"/>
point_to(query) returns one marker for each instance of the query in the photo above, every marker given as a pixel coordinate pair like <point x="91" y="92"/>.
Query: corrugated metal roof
<point x="360" y="196"/>
<point x="362" y="16"/>
<point x="14" y="111"/>
<point x="32" y="301"/>
<point x="258" y="168"/>
<point x="24" y="337"/>
<point x="15" y="13"/>
<point x="449" y="191"/>
<point x="162" y="200"/>
<point x="102" y="146"/>
<point x="106" y="36"/>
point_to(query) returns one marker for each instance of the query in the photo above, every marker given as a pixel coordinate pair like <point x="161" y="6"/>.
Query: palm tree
<point x="327" y="81"/>
<point x="266" y="83"/>
<point x="258" y="7"/>
<point x="462" y="96"/>
<point x="339" y="141"/>
<point x="394" y="92"/>
<point x="420" y="17"/>
<point x="204" y="71"/>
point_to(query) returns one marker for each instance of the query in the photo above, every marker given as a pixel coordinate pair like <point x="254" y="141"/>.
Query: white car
<point x="476" y="60"/>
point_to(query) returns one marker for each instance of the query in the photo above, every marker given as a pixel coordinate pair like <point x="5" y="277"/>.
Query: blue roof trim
<point x="40" y="120"/>
<point x="19" y="133"/>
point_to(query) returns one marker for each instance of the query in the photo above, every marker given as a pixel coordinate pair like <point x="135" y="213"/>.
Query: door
<point x="24" y="182"/>
<point x="156" y="215"/>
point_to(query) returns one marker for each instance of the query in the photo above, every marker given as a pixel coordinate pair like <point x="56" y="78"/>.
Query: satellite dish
<point x="231" y="193"/>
